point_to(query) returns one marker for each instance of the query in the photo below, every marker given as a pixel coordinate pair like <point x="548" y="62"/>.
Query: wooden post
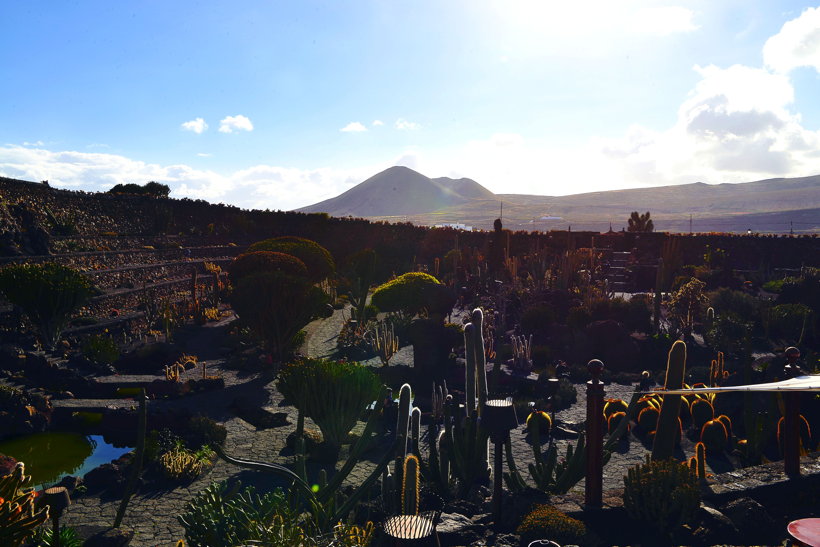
<point x="593" y="491"/>
<point x="791" y="418"/>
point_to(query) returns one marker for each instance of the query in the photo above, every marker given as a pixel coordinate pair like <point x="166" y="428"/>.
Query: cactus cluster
<point x="522" y="353"/>
<point x="663" y="493"/>
<point x="18" y="516"/>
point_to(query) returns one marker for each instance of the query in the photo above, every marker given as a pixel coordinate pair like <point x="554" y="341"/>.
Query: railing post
<point x="791" y="418"/>
<point x="593" y="491"/>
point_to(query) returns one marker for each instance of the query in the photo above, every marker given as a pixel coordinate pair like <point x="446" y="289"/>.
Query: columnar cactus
<point x="415" y="430"/>
<point x="700" y="459"/>
<point x="669" y="421"/>
<point x="714" y="436"/>
<point x="410" y="485"/>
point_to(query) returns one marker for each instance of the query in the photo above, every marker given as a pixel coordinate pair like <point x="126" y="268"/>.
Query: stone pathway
<point x="152" y="515"/>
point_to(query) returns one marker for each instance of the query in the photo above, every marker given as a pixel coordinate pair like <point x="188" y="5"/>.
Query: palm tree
<point x="640" y="223"/>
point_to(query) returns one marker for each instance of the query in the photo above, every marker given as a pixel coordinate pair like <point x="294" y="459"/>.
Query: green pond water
<point x="50" y="456"/>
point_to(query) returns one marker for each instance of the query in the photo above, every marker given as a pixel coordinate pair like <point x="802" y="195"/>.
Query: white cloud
<point x="796" y="45"/>
<point x="377" y="123"/>
<point x="260" y="187"/>
<point x="231" y="124"/>
<point x="35" y="143"/>
<point x="662" y="20"/>
<point x="204" y="155"/>
<point x="196" y="125"/>
<point x="404" y="125"/>
<point x="353" y="127"/>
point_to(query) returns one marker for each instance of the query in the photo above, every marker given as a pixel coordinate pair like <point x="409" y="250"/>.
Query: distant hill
<point x="772" y="205"/>
<point x="400" y="191"/>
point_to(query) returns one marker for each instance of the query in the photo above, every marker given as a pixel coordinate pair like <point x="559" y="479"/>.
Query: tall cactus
<point x="469" y="354"/>
<point x="656" y="313"/>
<point x="415" y="430"/>
<point x="405" y="395"/>
<point x="410" y="486"/>
<point x="480" y="359"/>
<point x="669" y="421"/>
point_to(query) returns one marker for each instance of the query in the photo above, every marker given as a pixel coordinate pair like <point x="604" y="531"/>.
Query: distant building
<point x="454" y="226"/>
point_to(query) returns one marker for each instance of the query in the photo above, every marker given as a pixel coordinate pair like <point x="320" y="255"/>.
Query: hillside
<point x="772" y="205"/>
<point x="400" y="191"/>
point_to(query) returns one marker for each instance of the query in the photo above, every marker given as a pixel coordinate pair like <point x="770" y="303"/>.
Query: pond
<point x="51" y="455"/>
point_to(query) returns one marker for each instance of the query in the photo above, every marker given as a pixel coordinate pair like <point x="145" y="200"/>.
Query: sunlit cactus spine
<point x="415" y="430"/>
<point x="727" y="423"/>
<point x="702" y="412"/>
<point x="410" y="485"/>
<point x="700" y="460"/>
<point x="469" y="372"/>
<point x="522" y="353"/>
<point x="805" y="434"/>
<point x="714" y="436"/>
<point x="611" y="406"/>
<point x="648" y="419"/>
<point x="402" y="424"/>
<point x="614" y="420"/>
<point x="540" y="420"/>
<point x="669" y="420"/>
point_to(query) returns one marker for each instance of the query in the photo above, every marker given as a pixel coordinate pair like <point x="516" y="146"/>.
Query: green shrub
<point x="663" y="494"/>
<point x="47" y="293"/>
<point x="100" y="349"/>
<point x="276" y="306"/>
<point x="332" y="393"/>
<point x="412" y="292"/>
<point x="265" y="261"/>
<point x="316" y="258"/>
<point x="547" y="522"/>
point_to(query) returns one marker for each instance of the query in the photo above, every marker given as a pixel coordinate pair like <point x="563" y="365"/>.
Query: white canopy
<point x="801" y="383"/>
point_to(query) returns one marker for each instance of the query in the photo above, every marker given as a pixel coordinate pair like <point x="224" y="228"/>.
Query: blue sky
<point x="281" y="104"/>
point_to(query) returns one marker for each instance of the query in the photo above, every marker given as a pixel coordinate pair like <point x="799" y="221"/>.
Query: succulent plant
<point x="669" y="419"/>
<point x="714" y="436"/>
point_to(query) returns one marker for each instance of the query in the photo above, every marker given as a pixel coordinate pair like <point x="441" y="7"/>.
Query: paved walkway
<point x="152" y="515"/>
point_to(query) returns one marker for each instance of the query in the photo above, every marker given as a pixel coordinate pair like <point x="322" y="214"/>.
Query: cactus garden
<point x="274" y="378"/>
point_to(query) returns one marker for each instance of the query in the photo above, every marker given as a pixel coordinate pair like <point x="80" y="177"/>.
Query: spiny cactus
<point x="714" y="436"/>
<point x="405" y="395"/>
<point x="541" y="420"/>
<point x="415" y="430"/>
<point x="648" y="419"/>
<point x="410" y="485"/>
<point x="437" y="401"/>
<point x="700" y="460"/>
<point x="611" y="406"/>
<point x="727" y="423"/>
<point x="614" y="420"/>
<point x="805" y="434"/>
<point x="384" y="342"/>
<point x="522" y="353"/>
<point x="669" y="419"/>
<point x="702" y="412"/>
<point x="18" y="517"/>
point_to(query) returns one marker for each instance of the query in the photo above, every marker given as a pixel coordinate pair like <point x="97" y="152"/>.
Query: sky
<point x="280" y="104"/>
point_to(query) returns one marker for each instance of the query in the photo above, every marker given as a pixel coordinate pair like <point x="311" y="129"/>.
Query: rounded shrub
<point x="412" y="292"/>
<point x="316" y="258"/>
<point x="265" y="261"/>
<point x="545" y="521"/>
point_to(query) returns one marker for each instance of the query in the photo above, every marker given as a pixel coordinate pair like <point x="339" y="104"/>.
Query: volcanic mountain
<point x="401" y="191"/>
<point x="774" y="205"/>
